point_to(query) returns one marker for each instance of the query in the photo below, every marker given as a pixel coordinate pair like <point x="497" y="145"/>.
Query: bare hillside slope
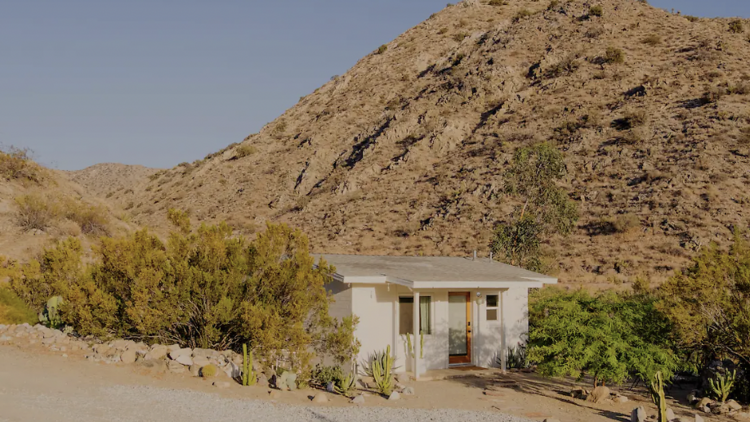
<point x="404" y="154"/>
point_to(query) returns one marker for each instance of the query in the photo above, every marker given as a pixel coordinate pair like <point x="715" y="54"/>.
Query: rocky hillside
<point x="404" y="154"/>
<point x="39" y="206"/>
<point x="107" y="178"/>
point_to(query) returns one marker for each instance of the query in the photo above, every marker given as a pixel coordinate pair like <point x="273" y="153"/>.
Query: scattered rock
<point x="638" y="414"/>
<point x="262" y="380"/>
<point x="670" y="414"/>
<point x="5" y="338"/>
<point x="195" y="370"/>
<point x="704" y="405"/>
<point x="394" y="396"/>
<point x="173" y="347"/>
<point x="599" y="395"/>
<point x="320" y="398"/>
<point x="174" y="354"/>
<point x="222" y="384"/>
<point x="620" y="399"/>
<point x="733" y="405"/>
<point x="175" y="367"/>
<point x="698" y="418"/>
<point x="742" y="415"/>
<point x="408" y="391"/>
<point x="579" y="393"/>
<point x="360" y="399"/>
<point x="719" y="408"/>
<point x="128" y="356"/>
<point x="157" y="352"/>
<point x="201" y="361"/>
<point x="330" y="387"/>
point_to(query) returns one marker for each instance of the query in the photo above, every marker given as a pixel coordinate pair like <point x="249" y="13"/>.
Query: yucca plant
<point x="346" y="385"/>
<point x="723" y="385"/>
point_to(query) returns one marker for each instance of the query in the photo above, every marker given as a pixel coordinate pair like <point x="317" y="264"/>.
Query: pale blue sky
<point x="158" y="82"/>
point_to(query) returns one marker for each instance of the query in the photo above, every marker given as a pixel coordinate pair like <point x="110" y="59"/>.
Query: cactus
<point x="421" y="344"/>
<point x="382" y="372"/>
<point x="50" y="315"/>
<point x="248" y="375"/>
<point x="723" y="385"/>
<point x="209" y="371"/>
<point x="657" y="395"/>
<point x="345" y="386"/>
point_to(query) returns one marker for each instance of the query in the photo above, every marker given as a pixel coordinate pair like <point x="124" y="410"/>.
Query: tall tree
<point x="533" y="178"/>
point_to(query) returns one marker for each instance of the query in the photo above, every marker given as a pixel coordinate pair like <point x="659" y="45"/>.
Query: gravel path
<point x="32" y="389"/>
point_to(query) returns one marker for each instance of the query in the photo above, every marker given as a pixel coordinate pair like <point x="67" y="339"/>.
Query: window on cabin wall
<point x="492" y="307"/>
<point x="406" y="315"/>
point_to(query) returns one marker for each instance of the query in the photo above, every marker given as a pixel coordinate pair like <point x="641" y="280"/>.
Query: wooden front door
<point x="459" y="328"/>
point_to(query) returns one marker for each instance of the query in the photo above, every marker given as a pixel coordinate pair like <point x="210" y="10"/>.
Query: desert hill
<point x="404" y="154"/>
<point x="107" y="178"/>
<point x="39" y="206"/>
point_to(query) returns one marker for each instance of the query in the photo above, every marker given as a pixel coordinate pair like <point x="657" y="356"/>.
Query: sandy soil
<point x="37" y="372"/>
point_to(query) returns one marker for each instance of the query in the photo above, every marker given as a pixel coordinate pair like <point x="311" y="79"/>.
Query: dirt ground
<point x="41" y="371"/>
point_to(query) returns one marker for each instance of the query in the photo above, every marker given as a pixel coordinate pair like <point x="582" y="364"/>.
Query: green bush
<point x="553" y="4"/>
<point x="244" y="150"/>
<point x="16" y="164"/>
<point x="610" y="336"/>
<point x="13" y="310"/>
<point x="498" y="2"/>
<point x="736" y="27"/>
<point x="36" y="212"/>
<point x="614" y="56"/>
<point x="382" y="49"/>
<point x="203" y="288"/>
<point x="595" y="11"/>
<point x="522" y="14"/>
<point x="322" y="375"/>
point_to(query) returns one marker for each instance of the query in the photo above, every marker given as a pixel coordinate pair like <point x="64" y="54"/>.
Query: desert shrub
<point x="460" y="36"/>
<point x="202" y="288"/>
<point x="635" y="118"/>
<point x="614" y="56"/>
<point x="596" y="11"/>
<point x="652" y="40"/>
<point x="92" y="219"/>
<point x="382" y="49"/>
<point x="13" y="310"/>
<point x="564" y="67"/>
<point x="498" y="2"/>
<point x="610" y="336"/>
<point x="16" y="164"/>
<point x="522" y="14"/>
<point x="692" y="18"/>
<point x="36" y="212"/>
<point x="243" y="151"/>
<point x="553" y="4"/>
<point x="321" y="375"/>
<point x="736" y="27"/>
<point x="624" y="223"/>
<point x="713" y="94"/>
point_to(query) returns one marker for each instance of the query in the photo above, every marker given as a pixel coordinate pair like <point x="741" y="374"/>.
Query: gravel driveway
<point x="38" y="388"/>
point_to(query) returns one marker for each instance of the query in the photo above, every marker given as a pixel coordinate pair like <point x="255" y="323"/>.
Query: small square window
<point x="492" y="301"/>
<point x="491" y="314"/>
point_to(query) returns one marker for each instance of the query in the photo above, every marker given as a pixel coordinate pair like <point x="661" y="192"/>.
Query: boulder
<point x="320" y="398"/>
<point x="128" y="356"/>
<point x="704" y="405"/>
<point x="599" y="395"/>
<point x="408" y="391"/>
<point x="360" y="399"/>
<point x="157" y="352"/>
<point x="201" y="360"/>
<point x="330" y="387"/>
<point x="175" y="367"/>
<point x="205" y="353"/>
<point x="733" y="405"/>
<point x="638" y="414"/>
<point x="719" y="408"/>
<point x="232" y="370"/>
<point x="620" y="399"/>
<point x="394" y="396"/>
<point x="174" y="354"/>
<point x="262" y="380"/>
<point x="173" y="347"/>
<point x="195" y="370"/>
<point x="670" y="414"/>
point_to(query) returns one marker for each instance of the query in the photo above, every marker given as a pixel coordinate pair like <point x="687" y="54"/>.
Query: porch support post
<point x="503" y="333"/>
<point x="417" y="344"/>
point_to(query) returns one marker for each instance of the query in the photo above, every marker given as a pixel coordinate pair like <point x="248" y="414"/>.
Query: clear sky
<point x="158" y="82"/>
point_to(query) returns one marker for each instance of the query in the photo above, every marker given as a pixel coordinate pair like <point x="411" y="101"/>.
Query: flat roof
<point x="431" y="271"/>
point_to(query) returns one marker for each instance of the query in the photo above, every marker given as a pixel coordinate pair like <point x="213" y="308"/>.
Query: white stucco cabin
<point x="470" y="310"/>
